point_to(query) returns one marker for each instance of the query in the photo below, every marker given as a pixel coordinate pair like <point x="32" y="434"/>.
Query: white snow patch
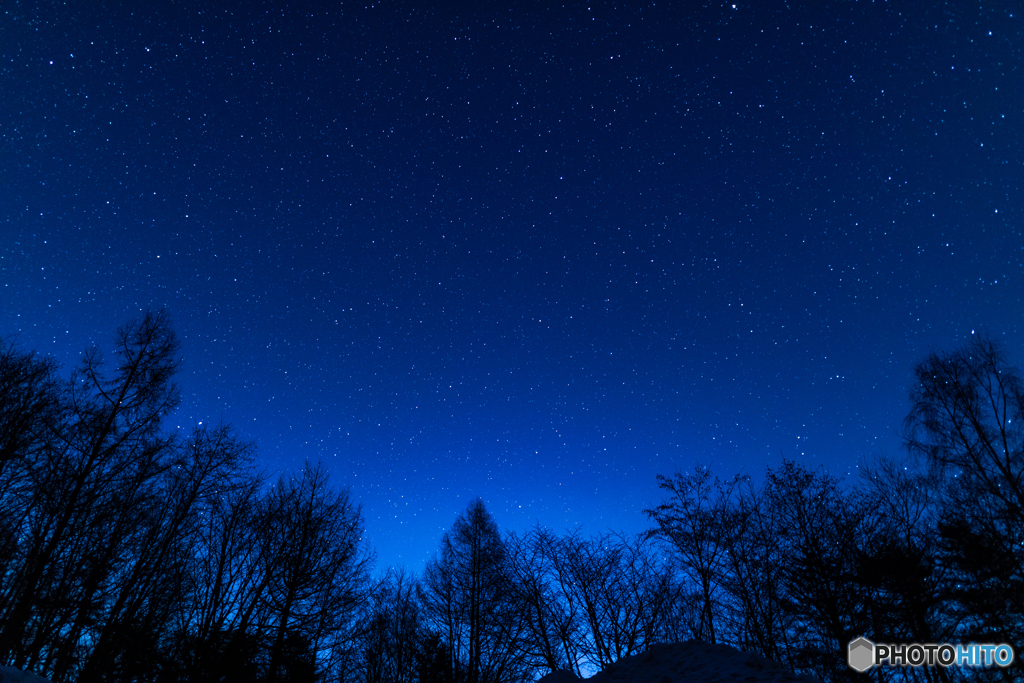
<point x="691" y="662"/>
<point x="8" y="674"/>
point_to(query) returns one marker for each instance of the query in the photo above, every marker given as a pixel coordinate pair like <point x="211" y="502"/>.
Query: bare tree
<point x="753" y="580"/>
<point x="110" y="440"/>
<point x="821" y="543"/>
<point x="548" y="642"/>
<point x="148" y="587"/>
<point x="31" y="409"/>
<point x="467" y="596"/>
<point x="322" y="573"/>
<point x="967" y="420"/>
<point x="776" y="568"/>
<point x="624" y="591"/>
<point x="393" y="632"/>
<point x="30" y="402"/>
<point x="693" y="521"/>
<point x="129" y="553"/>
<point x="224" y="582"/>
<point x="901" y="567"/>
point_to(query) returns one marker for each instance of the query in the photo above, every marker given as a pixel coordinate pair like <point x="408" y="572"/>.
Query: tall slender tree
<point x="468" y="598"/>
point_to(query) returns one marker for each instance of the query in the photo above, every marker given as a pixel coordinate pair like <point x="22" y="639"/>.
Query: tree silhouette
<point x="820" y="534"/>
<point x="30" y="403"/>
<point x="967" y="420"/>
<point x="149" y="587"/>
<point x="693" y="520"/>
<point x="468" y="598"/>
<point x="394" y="630"/>
<point x="549" y="642"/>
<point x="753" y="577"/>
<point x="105" y="455"/>
<point x="320" y="575"/>
<point x="31" y="409"/>
<point x="434" y="664"/>
<point x="128" y="552"/>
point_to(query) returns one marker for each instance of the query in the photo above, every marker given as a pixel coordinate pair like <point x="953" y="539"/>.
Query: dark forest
<point x="133" y="552"/>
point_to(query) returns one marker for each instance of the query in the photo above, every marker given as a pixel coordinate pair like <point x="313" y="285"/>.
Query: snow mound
<point x="691" y="662"/>
<point x="8" y="674"/>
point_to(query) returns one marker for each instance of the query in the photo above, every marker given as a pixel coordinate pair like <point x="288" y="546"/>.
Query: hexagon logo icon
<point x="861" y="655"/>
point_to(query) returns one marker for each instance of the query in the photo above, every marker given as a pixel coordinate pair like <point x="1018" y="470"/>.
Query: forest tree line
<point x="131" y="552"/>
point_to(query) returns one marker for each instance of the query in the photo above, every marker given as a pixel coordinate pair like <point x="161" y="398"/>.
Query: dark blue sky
<point x="531" y="253"/>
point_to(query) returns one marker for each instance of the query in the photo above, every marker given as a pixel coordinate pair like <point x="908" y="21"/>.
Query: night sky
<point x="527" y="252"/>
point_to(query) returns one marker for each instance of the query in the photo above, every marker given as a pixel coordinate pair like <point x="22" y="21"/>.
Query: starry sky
<point x="523" y="251"/>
